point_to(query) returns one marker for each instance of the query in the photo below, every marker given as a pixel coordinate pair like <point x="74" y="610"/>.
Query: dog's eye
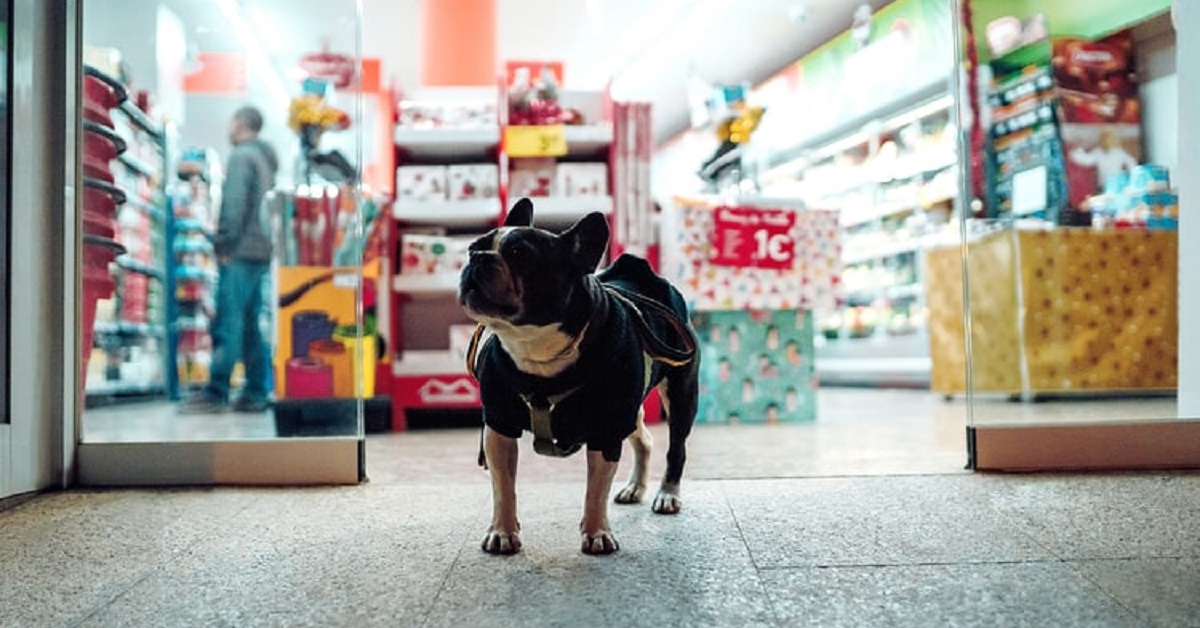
<point x="518" y="253"/>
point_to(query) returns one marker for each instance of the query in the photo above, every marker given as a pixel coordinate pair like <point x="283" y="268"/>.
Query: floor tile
<point x="875" y="521"/>
<point x="67" y="554"/>
<point x="1159" y="591"/>
<point x="689" y="569"/>
<point x="1020" y="594"/>
<point x="1085" y="516"/>
<point x="320" y="557"/>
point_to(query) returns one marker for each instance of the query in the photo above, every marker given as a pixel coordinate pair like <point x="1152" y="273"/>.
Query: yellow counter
<point x="1057" y="311"/>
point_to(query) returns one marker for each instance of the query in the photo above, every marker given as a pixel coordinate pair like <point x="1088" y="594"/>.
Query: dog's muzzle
<point x="486" y="287"/>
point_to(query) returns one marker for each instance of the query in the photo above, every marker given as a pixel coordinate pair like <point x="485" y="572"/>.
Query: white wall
<point x="1156" y="45"/>
<point x="1187" y="174"/>
<point x="391" y="31"/>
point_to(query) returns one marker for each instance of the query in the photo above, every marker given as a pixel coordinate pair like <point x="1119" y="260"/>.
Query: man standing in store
<point x="243" y="249"/>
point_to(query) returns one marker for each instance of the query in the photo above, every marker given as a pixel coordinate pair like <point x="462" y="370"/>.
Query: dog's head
<point x="523" y="275"/>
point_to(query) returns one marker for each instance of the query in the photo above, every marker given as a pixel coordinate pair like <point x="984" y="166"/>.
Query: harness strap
<point x="658" y="349"/>
<point x="473" y="349"/>
<point x="540" y="409"/>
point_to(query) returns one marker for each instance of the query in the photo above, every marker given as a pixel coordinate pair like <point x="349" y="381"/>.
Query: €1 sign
<point x="753" y="238"/>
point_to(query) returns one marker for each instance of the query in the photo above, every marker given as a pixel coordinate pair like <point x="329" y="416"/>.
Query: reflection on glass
<point x="222" y="176"/>
<point x="1072" y="242"/>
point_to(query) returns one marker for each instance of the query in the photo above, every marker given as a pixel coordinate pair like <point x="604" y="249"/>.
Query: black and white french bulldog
<point x="571" y="356"/>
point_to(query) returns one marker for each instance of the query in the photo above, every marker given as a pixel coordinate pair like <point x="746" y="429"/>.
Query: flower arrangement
<point x="310" y="116"/>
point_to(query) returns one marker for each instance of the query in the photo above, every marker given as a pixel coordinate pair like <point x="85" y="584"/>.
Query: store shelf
<point x="443" y="143"/>
<point x="153" y="212"/>
<point x="470" y="213"/>
<point x="589" y="138"/>
<point x="907" y="291"/>
<point x="142" y="120"/>
<point x="138" y="267"/>
<point x="875" y="212"/>
<point x="416" y="363"/>
<point x="127" y="329"/>
<point x="877" y="360"/>
<point x="120" y="387"/>
<point x="440" y="283"/>
<point x="882" y="251"/>
<point x="137" y="165"/>
<point x="560" y="209"/>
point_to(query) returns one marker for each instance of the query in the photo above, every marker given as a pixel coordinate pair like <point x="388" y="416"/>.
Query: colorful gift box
<point x="471" y="181"/>
<point x="532" y="177"/>
<point x="590" y="179"/>
<point x="756" y="367"/>
<point x="421" y="183"/>
<point x="431" y="255"/>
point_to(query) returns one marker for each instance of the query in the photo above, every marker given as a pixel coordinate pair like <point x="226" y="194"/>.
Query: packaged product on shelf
<point x="421" y="183"/>
<point x="532" y="177"/>
<point x="432" y="255"/>
<point x="420" y="115"/>
<point x="1161" y="210"/>
<point x="1149" y="178"/>
<point x="1116" y="183"/>
<point x="470" y="181"/>
<point x="588" y="179"/>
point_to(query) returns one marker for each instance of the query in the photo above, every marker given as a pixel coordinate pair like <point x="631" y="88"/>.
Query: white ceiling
<point x="648" y="48"/>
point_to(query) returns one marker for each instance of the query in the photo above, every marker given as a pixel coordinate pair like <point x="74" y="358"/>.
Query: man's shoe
<point x="253" y="406"/>
<point x="201" y="404"/>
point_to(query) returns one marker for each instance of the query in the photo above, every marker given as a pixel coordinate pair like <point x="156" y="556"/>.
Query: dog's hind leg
<point x="504" y="536"/>
<point x="642" y="443"/>
<point x="680" y="397"/>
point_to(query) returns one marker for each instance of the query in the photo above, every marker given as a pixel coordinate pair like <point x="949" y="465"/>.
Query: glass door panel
<point x="1072" y="238"/>
<point x="223" y="266"/>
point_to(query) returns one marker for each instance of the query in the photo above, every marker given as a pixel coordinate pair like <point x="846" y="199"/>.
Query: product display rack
<point x="894" y="183"/>
<point x="194" y="199"/>
<point x="428" y="236"/>
<point x="130" y="329"/>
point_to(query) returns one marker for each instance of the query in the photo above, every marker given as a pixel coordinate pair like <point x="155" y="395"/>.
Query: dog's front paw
<point x="667" y="502"/>
<point x="631" y="494"/>
<point x="502" y="542"/>
<point x="599" y="543"/>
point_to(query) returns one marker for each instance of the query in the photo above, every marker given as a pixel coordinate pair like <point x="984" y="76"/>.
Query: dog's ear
<point x="521" y="214"/>
<point x="587" y="240"/>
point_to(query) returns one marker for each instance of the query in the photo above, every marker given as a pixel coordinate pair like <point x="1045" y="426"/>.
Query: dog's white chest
<point x="541" y="350"/>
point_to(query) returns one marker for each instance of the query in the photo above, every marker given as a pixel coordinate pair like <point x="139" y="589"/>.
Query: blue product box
<point x="1149" y="178"/>
<point x="756" y="367"/>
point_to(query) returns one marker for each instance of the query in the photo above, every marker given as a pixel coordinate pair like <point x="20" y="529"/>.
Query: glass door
<point x="224" y="265"/>
<point x="5" y="229"/>
<point x="1074" y="312"/>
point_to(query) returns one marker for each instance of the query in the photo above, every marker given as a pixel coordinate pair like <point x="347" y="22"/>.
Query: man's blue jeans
<point x="236" y="333"/>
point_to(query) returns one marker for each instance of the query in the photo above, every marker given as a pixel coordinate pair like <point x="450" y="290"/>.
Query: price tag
<point x="535" y="141"/>
<point x="753" y="238"/>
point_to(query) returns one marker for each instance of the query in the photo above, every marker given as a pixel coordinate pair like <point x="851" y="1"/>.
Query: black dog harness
<point x="656" y="350"/>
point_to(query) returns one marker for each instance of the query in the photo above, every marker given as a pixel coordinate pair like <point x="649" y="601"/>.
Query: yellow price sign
<point x="535" y="141"/>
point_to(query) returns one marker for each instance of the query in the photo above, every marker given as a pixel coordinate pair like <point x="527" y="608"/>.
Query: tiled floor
<point x="865" y="518"/>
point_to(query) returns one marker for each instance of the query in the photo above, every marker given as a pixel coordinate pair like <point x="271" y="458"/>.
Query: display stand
<point x="131" y="357"/>
<point x="752" y="271"/>
<point x="194" y="200"/>
<point x="460" y="165"/>
<point x="322" y="363"/>
<point x="1043" y="323"/>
